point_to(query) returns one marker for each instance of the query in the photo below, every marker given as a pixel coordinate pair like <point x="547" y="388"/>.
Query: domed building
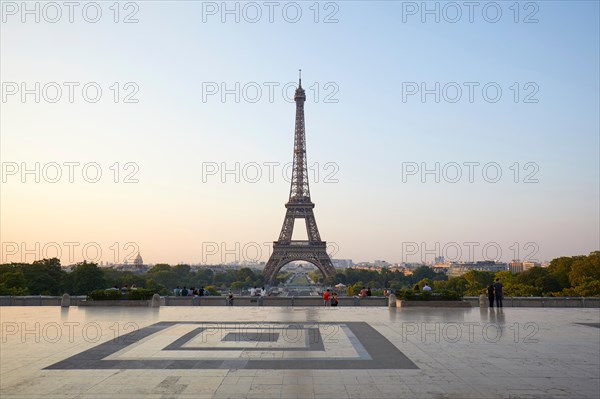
<point x="138" y="261"/>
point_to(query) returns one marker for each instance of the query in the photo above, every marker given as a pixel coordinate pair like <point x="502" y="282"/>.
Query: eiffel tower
<point x="299" y="206"/>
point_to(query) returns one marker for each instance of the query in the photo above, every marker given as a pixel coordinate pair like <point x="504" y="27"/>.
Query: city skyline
<point x="394" y="161"/>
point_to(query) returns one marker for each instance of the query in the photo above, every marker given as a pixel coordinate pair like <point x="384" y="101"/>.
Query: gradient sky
<point x="174" y="215"/>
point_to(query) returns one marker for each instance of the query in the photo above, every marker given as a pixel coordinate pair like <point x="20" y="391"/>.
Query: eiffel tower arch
<point x="299" y="206"/>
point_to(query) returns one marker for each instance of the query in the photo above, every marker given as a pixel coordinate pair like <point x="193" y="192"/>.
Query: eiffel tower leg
<point x="272" y="267"/>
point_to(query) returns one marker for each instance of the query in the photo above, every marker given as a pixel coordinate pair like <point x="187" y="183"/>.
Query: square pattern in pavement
<point x="329" y="353"/>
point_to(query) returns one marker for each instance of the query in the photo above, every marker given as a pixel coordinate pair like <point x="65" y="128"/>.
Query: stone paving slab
<point x="268" y="353"/>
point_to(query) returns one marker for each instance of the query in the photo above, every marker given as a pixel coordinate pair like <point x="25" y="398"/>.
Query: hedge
<point x="445" y="295"/>
<point x="114" y="295"/>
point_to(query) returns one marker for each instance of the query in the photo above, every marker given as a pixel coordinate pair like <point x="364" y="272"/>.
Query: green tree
<point x="245" y="273"/>
<point x="588" y="288"/>
<point x="423" y="272"/>
<point x="164" y="275"/>
<point x="539" y="278"/>
<point x="457" y="284"/>
<point x="44" y="277"/>
<point x="560" y="269"/>
<point x="87" y="277"/>
<point x="478" y="281"/>
<point x="13" y="283"/>
<point x="213" y="290"/>
<point x="585" y="269"/>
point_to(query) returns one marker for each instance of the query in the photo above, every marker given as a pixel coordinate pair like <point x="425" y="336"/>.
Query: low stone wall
<point x="436" y="304"/>
<point x="37" y="300"/>
<point x="523" y="302"/>
<point x="543" y="302"/>
<point x="271" y="301"/>
<point x="123" y="302"/>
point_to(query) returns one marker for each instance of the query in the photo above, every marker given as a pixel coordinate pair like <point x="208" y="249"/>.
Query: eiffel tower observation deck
<point x="299" y="206"/>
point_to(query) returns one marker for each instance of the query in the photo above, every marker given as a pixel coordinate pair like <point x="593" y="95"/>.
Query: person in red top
<point x="326" y="298"/>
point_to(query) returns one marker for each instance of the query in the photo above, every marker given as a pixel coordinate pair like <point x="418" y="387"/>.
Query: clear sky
<point x="370" y="132"/>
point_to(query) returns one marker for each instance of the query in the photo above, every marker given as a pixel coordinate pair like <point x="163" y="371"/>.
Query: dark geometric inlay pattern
<point x="313" y="342"/>
<point x="251" y="337"/>
<point x="597" y="325"/>
<point x="375" y="351"/>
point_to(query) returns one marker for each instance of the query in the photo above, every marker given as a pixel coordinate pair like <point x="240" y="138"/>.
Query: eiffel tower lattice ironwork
<point x="299" y="206"/>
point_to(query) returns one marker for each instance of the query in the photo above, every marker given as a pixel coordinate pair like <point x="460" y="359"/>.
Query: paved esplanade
<point x="272" y="352"/>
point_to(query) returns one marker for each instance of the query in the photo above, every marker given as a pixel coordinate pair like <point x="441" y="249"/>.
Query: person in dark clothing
<point x="334" y="299"/>
<point x="499" y="295"/>
<point x="368" y="291"/>
<point x="490" y="291"/>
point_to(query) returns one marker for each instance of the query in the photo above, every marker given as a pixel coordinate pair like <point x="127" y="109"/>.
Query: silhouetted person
<point x="499" y="294"/>
<point x="491" y="295"/>
<point x="368" y="291"/>
<point x="334" y="299"/>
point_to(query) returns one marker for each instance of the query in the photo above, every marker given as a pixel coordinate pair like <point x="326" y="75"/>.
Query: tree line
<point x="46" y="277"/>
<point x="565" y="276"/>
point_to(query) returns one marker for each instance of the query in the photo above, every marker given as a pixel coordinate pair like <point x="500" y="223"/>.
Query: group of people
<point x="426" y="287"/>
<point x="330" y="298"/>
<point x="124" y="288"/>
<point x="258" y="291"/>
<point x="495" y="293"/>
<point x="253" y="292"/>
<point x="195" y="292"/>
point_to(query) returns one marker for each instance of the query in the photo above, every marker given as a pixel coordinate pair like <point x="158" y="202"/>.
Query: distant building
<point x="137" y="266"/>
<point x="529" y="265"/>
<point x="442" y="266"/>
<point x="458" y="269"/>
<point x="342" y="263"/>
<point x="516" y="266"/>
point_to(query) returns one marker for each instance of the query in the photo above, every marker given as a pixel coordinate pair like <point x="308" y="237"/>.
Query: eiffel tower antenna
<point x="299" y="206"/>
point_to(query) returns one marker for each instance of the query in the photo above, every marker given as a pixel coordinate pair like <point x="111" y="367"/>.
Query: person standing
<point x="326" y="298"/>
<point x="490" y="292"/>
<point x="499" y="294"/>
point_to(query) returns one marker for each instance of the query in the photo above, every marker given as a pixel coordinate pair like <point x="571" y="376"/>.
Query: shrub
<point x="407" y="295"/>
<point x="115" y="295"/>
<point x="140" y="293"/>
<point x="105" y="295"/>
<point x="445" y="295"/>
